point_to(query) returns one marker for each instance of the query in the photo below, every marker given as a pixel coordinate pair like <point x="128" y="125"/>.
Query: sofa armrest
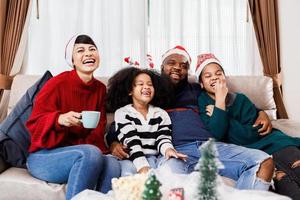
<point x="3" y="165"/>
<point x="289" y="127"/>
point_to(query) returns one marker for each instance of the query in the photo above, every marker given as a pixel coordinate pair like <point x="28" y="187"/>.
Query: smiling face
<point x="176" y="67"/>
<point x="85" y="58"/>
<point x="210" y="75"/>
<point x="142" y="90"/>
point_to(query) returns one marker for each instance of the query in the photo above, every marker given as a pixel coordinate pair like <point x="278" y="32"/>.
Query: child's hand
<point x="221" y="91"/>
<point x="144" y="170"/>
<point x="170" y="152"/>
<point x="209" y="110"/>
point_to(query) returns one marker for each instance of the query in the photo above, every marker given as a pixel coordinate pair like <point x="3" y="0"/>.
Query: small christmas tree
<point x="208" y="171"/>
<point x="151" y="191"/>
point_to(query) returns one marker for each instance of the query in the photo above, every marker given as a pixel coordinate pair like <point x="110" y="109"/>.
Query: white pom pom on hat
<point x="177" y="50"/>
<point x="203" y="60"/>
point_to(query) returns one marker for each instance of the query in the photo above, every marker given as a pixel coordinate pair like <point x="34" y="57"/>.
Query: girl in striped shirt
<point x="143" y="127"/>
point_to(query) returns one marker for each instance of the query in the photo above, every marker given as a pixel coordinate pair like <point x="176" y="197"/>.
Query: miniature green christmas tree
<point x="151" y="191"/>
<point x="208" y="171"/>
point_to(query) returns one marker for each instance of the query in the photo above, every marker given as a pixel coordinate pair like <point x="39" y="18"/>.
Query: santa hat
<point x="177" y="50"/>
<point x="69" y="50"/>
<point x="203" y="60"/>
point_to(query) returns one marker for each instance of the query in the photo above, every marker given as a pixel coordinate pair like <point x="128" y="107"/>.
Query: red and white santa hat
<point x="177" y="50"/>
<point x="203" y="60"/>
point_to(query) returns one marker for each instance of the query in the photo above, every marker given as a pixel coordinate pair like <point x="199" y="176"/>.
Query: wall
<point x="289" y="28"/>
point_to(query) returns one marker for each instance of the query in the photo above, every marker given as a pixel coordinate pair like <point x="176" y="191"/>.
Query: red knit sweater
<point x="63" y="93"/>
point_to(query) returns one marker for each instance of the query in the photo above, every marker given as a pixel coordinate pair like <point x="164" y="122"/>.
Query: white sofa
<point x="16" y="183"/>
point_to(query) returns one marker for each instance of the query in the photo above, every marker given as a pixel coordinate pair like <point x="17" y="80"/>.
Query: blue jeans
<point x="80" y="166"/>
<point x="128" y="168"/>
<point x="240" y="164"/>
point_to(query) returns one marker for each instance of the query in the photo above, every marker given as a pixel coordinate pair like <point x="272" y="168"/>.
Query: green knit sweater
<point x="235" y="125"/>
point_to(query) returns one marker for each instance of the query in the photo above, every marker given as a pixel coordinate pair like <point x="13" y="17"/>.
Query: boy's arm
<point x="217" y="124"/>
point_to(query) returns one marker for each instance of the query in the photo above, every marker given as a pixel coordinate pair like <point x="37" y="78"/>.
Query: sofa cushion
<point x="14" y="136"/>
<point x="18" y="184"/>
<point x="259" y="89"/>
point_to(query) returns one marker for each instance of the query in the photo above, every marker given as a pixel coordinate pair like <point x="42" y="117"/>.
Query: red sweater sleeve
<point x="42" y="124"/>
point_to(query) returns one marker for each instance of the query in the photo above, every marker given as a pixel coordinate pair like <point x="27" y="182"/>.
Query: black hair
<point x="84" y="39"/>
<point x="205" y="66"/>
<point x="121" y="84"/>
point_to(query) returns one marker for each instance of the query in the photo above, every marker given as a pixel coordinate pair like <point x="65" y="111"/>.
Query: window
<point x="134" y="28"/>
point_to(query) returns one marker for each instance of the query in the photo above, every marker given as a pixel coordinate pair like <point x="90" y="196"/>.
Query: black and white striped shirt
<point x="149" y="136"/>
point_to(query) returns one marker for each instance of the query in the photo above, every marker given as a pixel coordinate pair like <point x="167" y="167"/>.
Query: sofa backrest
<point x="258" y="88"/>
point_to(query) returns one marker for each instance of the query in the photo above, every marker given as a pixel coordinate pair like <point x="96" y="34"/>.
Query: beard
<point x="178" y="87"/>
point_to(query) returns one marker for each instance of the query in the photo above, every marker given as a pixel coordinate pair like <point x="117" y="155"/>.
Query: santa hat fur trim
<point x="177" y="50"/>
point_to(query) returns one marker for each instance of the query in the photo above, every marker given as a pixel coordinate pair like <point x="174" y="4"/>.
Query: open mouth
<point x="146" y="93"/>
<point x="213" y="85"/>
<point x="89" y="61"/>
<point x="175" y="75"/>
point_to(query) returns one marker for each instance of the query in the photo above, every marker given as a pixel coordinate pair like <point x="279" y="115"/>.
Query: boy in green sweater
<point x="230" y="117"/>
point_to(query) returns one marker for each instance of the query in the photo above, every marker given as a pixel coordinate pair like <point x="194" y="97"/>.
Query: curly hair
<point x="121" y="84"/>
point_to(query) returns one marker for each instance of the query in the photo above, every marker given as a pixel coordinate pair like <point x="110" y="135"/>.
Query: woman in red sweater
<point x="62" y="150"/>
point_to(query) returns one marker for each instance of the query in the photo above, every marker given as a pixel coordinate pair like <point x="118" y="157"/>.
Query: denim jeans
<point x="240" y="164"/>
<point x="80" y="166"/>
<point x="128" y="168"/>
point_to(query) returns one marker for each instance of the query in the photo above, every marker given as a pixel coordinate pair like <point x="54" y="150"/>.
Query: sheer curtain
<point x="117" y="26"/>
<point x="136" y="27"/>
<point x="217" y="26"/>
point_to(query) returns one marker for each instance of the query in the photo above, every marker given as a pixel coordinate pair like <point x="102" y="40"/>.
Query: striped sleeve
<point x="128" y="135"/>
<point x="164" y="139"/>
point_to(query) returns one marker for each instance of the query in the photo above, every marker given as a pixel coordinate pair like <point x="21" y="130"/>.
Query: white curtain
<point x="117" y="26"/>
<point x="217" y="26"/>
<point x="125" y="28"/>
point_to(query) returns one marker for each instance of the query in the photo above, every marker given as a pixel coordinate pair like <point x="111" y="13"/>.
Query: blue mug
<point x="90" y="119"/>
